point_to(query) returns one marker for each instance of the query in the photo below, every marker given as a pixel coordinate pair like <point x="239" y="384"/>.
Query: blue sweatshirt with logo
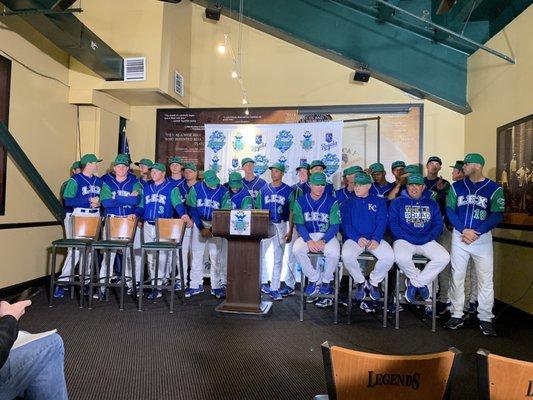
<point x="364" y="217"/>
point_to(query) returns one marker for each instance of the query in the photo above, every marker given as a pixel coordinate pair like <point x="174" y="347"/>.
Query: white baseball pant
<point x="331" y="253"/>
<point x="403" y="255"/>
<point x="149" y="235"/>
<point x="351" y="250"/>
<point x="278" y="245"/>
<point x="481" y="252"/>
<point x="289" y="270"/>
<point x="198" y="245"/>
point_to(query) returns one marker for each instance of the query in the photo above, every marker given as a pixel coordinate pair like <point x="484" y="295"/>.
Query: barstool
<point x="169" y="236"/>
<point x="120" y="235"/>
<point x="367" y="256"/>
<point x="417" y="259"/>
<point x="334" y="296"/>
<point x="85" y="231"/>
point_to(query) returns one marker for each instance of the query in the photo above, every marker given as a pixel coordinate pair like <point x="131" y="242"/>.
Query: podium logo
<point x="404" y="380"/>
<point x="239" y="223"/>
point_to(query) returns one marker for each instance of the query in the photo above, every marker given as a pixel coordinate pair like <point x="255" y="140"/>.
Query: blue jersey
<point x="203" y="200"/>
<point x="343" y="194"/>
<point x="254" y="185"/>
<point x="184" y="189"/>
<point x="431" y="184"/>
<point x="61" y="191"/>
<point x="116" y="196"/>
<point x="80" y="189"/>
<point x="381" y="190"/>
<point x="417" y="221"/>
<point x="176" y="182"/>
<point x="475" y="205"/>
<point x="145" y="182"/>
<point x="364" y="217"/>
<point x="241" y="200"/>
<point x="275" y="199"/>
<point x="160" y="201"/>
<point x="317" y="216"/>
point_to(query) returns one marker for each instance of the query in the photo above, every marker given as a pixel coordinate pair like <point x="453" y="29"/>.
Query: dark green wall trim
<point x="513" y="242"/>
<point x="19" y="287"/>
<point x="20" y="225"/>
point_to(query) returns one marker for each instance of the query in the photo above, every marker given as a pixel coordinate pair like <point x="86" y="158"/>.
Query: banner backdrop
<point x="288" y="144"/>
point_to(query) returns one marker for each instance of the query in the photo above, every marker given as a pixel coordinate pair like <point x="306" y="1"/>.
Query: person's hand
<point x="372" y="245"/>
<point x="16" y="310"/>
<point x="403" y="179"/>
<point x="312" y="246"/>
<point x="320" y="244"/>
<point x="470" y="235"/>
<point x="362" y="242"/>
<point x="288" y="237"/>
<point x="139" y="224"/>
<point x="441" y="184"/>
<point x="206" y="233"/>
<point x="95" y="202"/>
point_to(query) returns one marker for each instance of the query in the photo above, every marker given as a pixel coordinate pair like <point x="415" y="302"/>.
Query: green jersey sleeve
<point x="71" y="188"/>
<point x="335" y="214"/>
<point x="451" y="199"/>
<point x="247" y="203"/>
<point x="175" y="197"/>
<point x="226" y="202"/>
<point x="259" y="202"/>
<point x="106" y="193"/>
<point x="297" y="214"/>
<point x="191" y="198"/>
<point x="497" y="201"/>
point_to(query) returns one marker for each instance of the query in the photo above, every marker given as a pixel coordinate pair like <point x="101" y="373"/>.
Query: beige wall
<point x="500" y="93"/>
<point x="44" y="125"/>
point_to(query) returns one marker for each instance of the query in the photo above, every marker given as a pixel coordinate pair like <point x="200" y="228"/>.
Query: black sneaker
<point x="454" y="323"/>
<point x="487" y="328"/>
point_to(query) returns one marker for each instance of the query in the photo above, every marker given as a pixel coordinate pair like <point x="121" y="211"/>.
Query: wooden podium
<point x="244" y="268"/>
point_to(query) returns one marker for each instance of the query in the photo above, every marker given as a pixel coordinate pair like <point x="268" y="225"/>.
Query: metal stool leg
<point x="173" y="266"/>
<point x="385" y="299"/>
<point x="52" y="276"/>
<point x="434" y="305"/>
<point x="302" y="296"/>
<point x="397" y="325"/>
<point x="141" y="280"/>
<point x="182" y="275"/>
<point x="156" y="281"/>
<point x="133" y="273"/>
<point x="350" y="294"/>
<point x="336" y="300"/>
<point x="91" y="280"/>
<point x="73" y="271"/>
<point x="123" y="277"/>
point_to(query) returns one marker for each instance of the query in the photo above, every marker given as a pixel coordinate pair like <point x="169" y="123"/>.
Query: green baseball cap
<point x="211" y="178"/>
<point x="278" y="166"/>
<point x="474" y="158"/>
<point x="303" y="165"/>
<point x="87" y="158"/>
<point x="145" y="161"/>
<point x="362" y="179"/>
<point x="317" y="163"/>
<point x="235" y="180"/>
<point x="458" y="165"/>
<point x="415" y="179"/>
<point x="413" y="169"/>
<point x="75" y="165"/>
<point x="175" y="159"/>
<point x="397" y="164"/>
<point x="247" y="160"/>
<point x="159" y="166"/>
<point x="377" y="167"/>
<point x="434" y="158"/>
<point x="318" y="179"/>
<point x="191" y="166"/>
<point x="351" y="170"/>
<point x="122" y="159"/>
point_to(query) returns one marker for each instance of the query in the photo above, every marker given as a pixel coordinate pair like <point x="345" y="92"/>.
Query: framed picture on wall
<point x="514" y="171"/>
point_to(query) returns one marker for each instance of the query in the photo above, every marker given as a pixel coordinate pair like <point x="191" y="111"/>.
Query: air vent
<point x="135" y="69"/>
<point x="178" y="83"/>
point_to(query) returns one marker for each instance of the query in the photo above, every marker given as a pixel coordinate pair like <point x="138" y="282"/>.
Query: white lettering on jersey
<point x="208" y="203"/>
<point x="92" y="189"/>
<point x="315" y="216"/>
<point x="155" y="198"/>
<point x="275" y="198"/>
<point x="417" y="215"/>
<point x="472" y="199"/>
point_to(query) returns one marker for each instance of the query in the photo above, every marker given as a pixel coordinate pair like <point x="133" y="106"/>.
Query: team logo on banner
<point x="217" y="140"/>
<point x="330" y="143"/>
<point x="215" y="164"/>
<point x="332" y="163"/>
<point x="234" y="165"/>
<point x="303" y="160"/>
<point x="283" y="160"/>
<point x="261" y="164"/>
<point x="259" y="142"/>
<point x="283" y="141"/>
<point x="238" y="144"/>
<point x="307" y="143"/>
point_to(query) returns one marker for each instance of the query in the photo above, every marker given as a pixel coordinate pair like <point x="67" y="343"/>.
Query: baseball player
<point x="275" y="197"/>
<point x="160" y="199"/>
<point x="67" y="222"/>
<point x="175" y="165"/>
<point x="317" y="219"/>
<point x="319" y="166"/>
<point x="82" y="193"/>
<point x="203" y="198"/>
<point x="475" y="205"/>
<point x="398" y="170"/>
<point x="120" y="195"/>
<point x="416" y="223"/>
<point x="144" y="168"/>
<point x="251" y="182"/>
<point x="240" y="197"/>
<point x="364" y="220"/>
<point x="348" y="191"/>
<point x="380" y="187"/>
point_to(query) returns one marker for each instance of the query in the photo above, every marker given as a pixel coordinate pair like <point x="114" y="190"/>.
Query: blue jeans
<point x="35" y="371"/>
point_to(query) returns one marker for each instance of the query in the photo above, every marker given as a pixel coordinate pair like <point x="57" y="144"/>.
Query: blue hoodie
<point x="364" y="217"/>
<point x="417" y="221"/>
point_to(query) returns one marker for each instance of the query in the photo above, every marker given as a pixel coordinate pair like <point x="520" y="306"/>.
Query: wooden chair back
<point x="503" y="378"/>
<point x="352" y="374"/>
<point x="170" y="229"/>
<point x="121" y="228"/>
<point x="86" y="227"/>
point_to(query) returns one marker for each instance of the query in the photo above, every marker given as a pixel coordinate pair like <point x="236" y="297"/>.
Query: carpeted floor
<point x="196" y="353"/>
